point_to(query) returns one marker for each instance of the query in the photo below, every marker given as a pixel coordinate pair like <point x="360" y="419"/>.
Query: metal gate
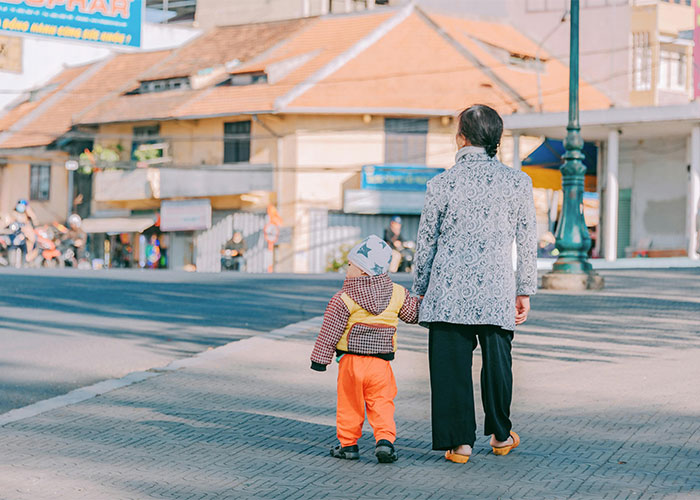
<point x="330" y="231"/>
<point x="210" y="242"/>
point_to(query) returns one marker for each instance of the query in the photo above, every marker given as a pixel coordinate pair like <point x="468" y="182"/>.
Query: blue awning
<point x="549" y="155"/>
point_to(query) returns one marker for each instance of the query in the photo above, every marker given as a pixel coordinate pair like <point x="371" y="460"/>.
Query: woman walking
<point x="464" y="269"/>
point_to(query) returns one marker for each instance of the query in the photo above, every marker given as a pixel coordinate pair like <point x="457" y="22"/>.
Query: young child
<point x="359" y="326"/>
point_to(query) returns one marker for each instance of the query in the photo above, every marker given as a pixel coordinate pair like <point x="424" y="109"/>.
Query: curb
<point x="84" y="393"/>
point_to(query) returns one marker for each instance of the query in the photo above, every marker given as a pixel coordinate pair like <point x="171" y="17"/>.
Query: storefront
<point x="118" y="241"/>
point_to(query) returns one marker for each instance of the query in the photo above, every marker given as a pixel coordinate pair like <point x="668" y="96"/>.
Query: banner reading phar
<point x="115" y="22"/>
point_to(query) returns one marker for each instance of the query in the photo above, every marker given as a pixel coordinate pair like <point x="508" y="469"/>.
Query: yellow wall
<point x="192" y="142"/>
<point x="330" y="152"/>
<point x="317" y="157"/>
<point x="15" y="185"/>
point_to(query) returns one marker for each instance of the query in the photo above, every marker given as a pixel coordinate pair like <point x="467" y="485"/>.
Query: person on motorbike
<point x="233" y="253"/>
<point x="76" y="238"/>
<point x="24" y="217"/>
<point x="392" y="235"/>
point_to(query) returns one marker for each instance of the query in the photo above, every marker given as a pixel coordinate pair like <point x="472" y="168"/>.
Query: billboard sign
<point x="112" y="22"/>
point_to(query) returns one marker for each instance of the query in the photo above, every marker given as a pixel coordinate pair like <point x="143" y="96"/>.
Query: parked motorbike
<point x="68" y="253"/>
<point x="231" y="260"/>
<point x="4" y="244"/>
<point x="16" y="245"/>
<point x="49" y="255"/>
<point x="408" y="252"/>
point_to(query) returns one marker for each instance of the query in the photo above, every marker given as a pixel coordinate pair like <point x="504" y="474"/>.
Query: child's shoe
<point x="385" y="452"/>
<point x="346" y="452"/>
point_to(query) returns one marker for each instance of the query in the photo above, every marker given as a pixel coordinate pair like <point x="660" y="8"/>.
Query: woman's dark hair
<point x="482" y="126"/>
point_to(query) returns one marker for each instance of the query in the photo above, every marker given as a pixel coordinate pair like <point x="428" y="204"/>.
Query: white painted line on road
<point x="91" y="391"/>
<point x="73" y="397"/>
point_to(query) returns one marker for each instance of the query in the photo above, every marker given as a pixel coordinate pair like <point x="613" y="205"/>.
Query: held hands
<point x="522" y="308"/>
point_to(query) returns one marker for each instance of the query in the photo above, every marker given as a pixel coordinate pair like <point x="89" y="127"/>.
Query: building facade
<point x="325" y="126"/>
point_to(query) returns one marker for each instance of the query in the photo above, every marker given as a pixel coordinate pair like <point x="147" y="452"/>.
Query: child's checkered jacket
<point x="361" y="319"/>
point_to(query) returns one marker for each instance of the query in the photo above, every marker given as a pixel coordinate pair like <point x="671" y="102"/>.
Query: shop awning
<point x="550" y="154"/>
<point x="117" y="225"/>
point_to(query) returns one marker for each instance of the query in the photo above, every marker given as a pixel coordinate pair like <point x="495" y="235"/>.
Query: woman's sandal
<point x="457" y="458"/>
<point x="504" y="450"/>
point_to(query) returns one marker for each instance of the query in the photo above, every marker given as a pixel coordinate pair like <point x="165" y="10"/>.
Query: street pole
<point x="572" y="271"/>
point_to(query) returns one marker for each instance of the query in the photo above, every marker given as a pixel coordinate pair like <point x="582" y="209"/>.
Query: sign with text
<point x="185" y="215"/>
<point x="114" y="22"/>
<point x="397" y="177"/>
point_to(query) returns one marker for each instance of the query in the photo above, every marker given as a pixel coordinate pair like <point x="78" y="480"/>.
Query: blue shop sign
<point x="397" y="177"/>
<point x="114" y="22"/>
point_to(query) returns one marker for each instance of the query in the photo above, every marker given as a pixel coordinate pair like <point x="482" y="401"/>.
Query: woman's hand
<point x="522" y="308"/>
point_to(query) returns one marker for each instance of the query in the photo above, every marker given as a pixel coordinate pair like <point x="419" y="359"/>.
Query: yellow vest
<point x="388" y="318"/>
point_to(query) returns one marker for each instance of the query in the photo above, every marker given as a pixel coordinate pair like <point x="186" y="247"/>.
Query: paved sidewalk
<point x="606" y="402"/>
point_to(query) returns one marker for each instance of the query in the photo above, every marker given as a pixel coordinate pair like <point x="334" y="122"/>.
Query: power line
<point x="85" y="135"/>
<point x="330" y="80"/>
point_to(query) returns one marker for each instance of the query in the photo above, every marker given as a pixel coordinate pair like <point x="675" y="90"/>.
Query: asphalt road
<point x="63" y="329"/>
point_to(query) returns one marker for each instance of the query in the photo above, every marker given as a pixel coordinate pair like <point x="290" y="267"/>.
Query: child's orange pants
<point x="365" y="381"/>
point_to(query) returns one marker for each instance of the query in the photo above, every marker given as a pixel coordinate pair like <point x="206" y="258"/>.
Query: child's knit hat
<point x="372" y="255"/>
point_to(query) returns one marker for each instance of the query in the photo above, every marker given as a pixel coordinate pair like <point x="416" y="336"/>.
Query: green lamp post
<point x="572" y="271"/>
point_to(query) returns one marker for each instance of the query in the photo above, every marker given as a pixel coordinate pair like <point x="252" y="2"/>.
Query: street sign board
<point x="185" y="215"/>
<point x="397" y="177"/>
<point x="112" y="22"/>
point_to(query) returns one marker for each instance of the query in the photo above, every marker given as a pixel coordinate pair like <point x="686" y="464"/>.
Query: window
<point x="406" y="141"/>
<point x="237" y="142"/>
<point x="672" y="70"/>
<point x="148" y="134"/>
<point x="40" y="182"/>
<point x="241" y="79"/>
<point x="641" y="62"/>
<point x="150" y="86"/>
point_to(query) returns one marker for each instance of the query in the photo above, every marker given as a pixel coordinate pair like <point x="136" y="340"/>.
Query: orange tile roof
<point x="410" y="68"/>
<point x="325" y="39"/>
<point x="102" y="79"/>
<point x="216" y="47"/>
<point x="12" y="116"/>
<point x="554" y="78"/>
<point x="224" y="44"/>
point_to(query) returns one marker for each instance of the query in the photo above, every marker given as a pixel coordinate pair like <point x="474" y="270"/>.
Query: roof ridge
<point x="339" y="61"/>
<point x="173" y="54"/>
<point x="54" y="99"/>
<point x="258" y="23"/>
<point x="467" y="54"/>
<point x="265" y="54"/>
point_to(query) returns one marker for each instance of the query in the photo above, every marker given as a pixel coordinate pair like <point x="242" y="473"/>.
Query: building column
<point x="370" y="4"/>
<point x="517" y="164"/>
<point x="693" y="193"/>
<point x="348" y="6"/>
<point x="612" y="188"/>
